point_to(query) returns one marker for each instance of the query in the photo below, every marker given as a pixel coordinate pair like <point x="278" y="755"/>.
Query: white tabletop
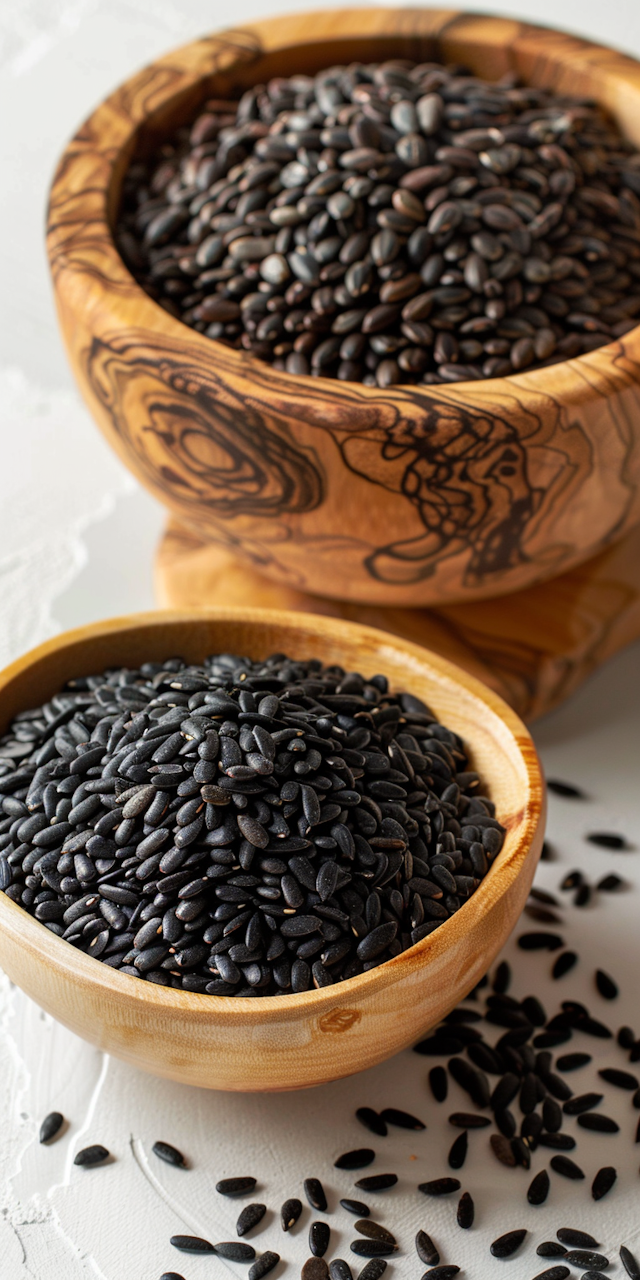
<point x="76" y="543"/>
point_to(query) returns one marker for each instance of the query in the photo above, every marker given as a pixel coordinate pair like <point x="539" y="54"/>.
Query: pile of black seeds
<point x="393" y="223"/>
<point x="237" y="827"/>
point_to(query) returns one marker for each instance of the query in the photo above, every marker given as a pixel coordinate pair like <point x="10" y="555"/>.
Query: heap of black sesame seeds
<point x="240" y="828"/>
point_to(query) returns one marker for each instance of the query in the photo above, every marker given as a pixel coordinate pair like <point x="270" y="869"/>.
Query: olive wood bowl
<point x="288" y="1041"/>
<point x="403" y="496"/>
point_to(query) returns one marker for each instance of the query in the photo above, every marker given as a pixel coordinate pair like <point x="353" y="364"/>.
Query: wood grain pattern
<point x="284" y="1042"/>
<point x="534" y="647"/>
<point x="405" y="497"/>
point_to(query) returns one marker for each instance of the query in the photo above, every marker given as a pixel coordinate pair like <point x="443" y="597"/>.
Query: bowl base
<point x="534" y="647"/>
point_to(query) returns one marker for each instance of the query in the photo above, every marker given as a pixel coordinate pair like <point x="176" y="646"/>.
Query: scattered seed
<point x="377" y="1182"/>
<point x="572" y="1061"/>
<point x="539" y="1188"/>
<point x="507" y="1244"/>
<point x="372" y="1121"/>
<point x="90" y="1156"/>
<point x="191" y="1244"/>
<point x="621" y="1079"/>
<point x="439" y="1187"/>
<point x="553" y="1273"/>
<point x="340" y="1270"/>
<point x="586" y="1258"/>
<point x="540" y="941"/>
<point x="458" y="1151"/>
<point x="263" y="1265"/>
<point x="314" y="1191"/>
<point x="606" y="986"/>
<point x="249" y="1218"/>
<point x="565" y="789"/>
<point x="319" y="1236"/>
<point x="356" y="1207"/>
<point x="426" y="1249"/>
<point x="603" y="1182"/>
<point x="289" y="1213"/>
<point x="235" y="1251"/>
<point x="607" y="840"/>
<point x="551" y="1249"/>
<point x="629" y="1263"/>
<point x="236" y="1186"/>
<point x="598" y="1123"/>
<point x="51" y="1126"/>
<point x="565" y="961"/>
<point x="438" y="1083"/>
<point x="466" y="1211"/>
<point x="609" y="884"/>
<point x="438" y="1273"/>
<point x="314" y="1269"/>
<point x="401" y="1119"/>
<point x="566" y="1167"/>
<point x="355" y="1159"/>
<point x="372" y="1248"/>
<point x="169" y="1154"/>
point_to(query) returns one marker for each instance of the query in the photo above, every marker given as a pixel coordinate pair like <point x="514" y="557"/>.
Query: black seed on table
<point x="565" y="961"/>
<point x="426" y="1249"/>
<point x="606" y="986"/>
<point x="401" y="1119"/>
<point x="551" y="1249"/>
<point x="503" y="1150"/>
<point x="609" y="884"/>
<point x="539" y="1188"/>
<point x="593" y="1275"/>
<point x="439" y="1187"/>
<point x="553" y="1273"/>
<point x="263" y="1265"/>
<point x="377" y="1182"/>
<point x="572" y="1061"/>
<point x="507" y="1244"/>
<point x="557" y="1141"/>
<point x="90" y="1156"/>
<point x="445" y="1272"/>
<point x="374" y="1231"/>
<point x="466" y="1211"/>
<point x="566" y="1167"/>
<point x="249" y="1218"/>
<point x="314" y="1269"/>
<point x="235" y="1251"/>
<point x="169" y="1154"/>
<point x="576" y="1239"/>
<point x="637" y="1138"/>
<point x="598" y="1123"/>
<point x="438" y="1083"/>
<point x="629" y="1263"/>
<point x="373" y="1248"/>
<point x="51" y="1126"/>
<point x="502" y="978"/>
<point x="289" y="1213"/>
<point x="340" y="1270"/>
<point x="586" y="1258"/>
<point x="319" y="1236"/>
<point x="236" y="1186"/>
<point x="468" y="1120"/>
<point x="582" y="1102"/>
<point x="603" y="1181"/>
<point x="607" y="840"/>
<point x="591" y="1027"/>
<point x="358" y="1159"/>
<point x="171" y="1275"/>
<point x="566" y="789"/>
<point x="373" y="1269"/>
<point x="191" y="1244"/>
<point x="314" y="1191"/>
<point x="438" y="1046"/>
<point x="540" y="941"/>
<point x="356" y="1207"/>
<point x="371" y="1121"/>
<point x="621" y="1079"/>
<point x="572" y="880"/>
<point x="458" y="1151"/>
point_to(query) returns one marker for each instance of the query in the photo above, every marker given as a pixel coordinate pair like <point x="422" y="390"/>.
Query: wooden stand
<point x="534" y="647"/>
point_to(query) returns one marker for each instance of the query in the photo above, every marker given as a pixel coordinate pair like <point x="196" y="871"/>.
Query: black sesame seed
<point x="446" y="1272"/>
<point x="458" y="1151"/>
<point x="289" y="1213"/>
<point x="565" y="961"/>
<point x="565" y="789"/>
<point x="439" y="1187"/>
<point x="169" y="1154"/>
<point x="372" y="1121"/>
<point x="553" y="1273"/>
<point x="90" y="1156"/>
<point x="372" y="1248"/>
<point x="606" y="986"/>
<point x="314" y="1269"/>
<point x="426" y="1249"/>
<point x="51" y="1126"/>
<point x="235" y="1251"/>
<point x="377" y="1182"/>
<point x="340" y="1270"/>
<point x="572" y="1061"/>
<point x="314" y="1191"/>
<point x="191" y="1244"/>
<point x="575" y="1239"/>
<point x="263" y="1265"/>
<point x="358" y="1159"/>
<point x="540" y="941"/>
<point x="468" y="1120"/>
<point x="539" y="1188"/>
<point x="373" y="1269"/>
<point x="466" y="1211"/>
<point x="374" y="1231"/>
<point x="586" y="1258"/>
<point x="551" y="1249"/>
<point x="438" y="1083"/>
<point x="566" y="1167"/>
<point x="401" y="1119"/>
<point x="319" y="1236"/>
<point x="607" y="840"/>
<point x="236" y="1186"/>
<point x="603" y="1182"/>
<point x="598" y="1123"/>
<point x="629" y="1263"/>
<point x="507" y="1244"/>
<point x="621" y="1079"/>
<point x="356" y="1207"/>
<point x="249" y="1218"/>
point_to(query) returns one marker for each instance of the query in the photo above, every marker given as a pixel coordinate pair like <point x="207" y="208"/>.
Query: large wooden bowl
<point x="292" y="1041"/>
<point x="410" y="495"/>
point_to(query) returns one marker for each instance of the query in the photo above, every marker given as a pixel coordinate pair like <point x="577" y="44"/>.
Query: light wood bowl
<point x="406" y="496"/>
<point x="292" y="1041"/>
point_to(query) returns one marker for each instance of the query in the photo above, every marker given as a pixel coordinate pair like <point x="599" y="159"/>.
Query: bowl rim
<point x="527" y="823"/>
<point x="602" y="365"/>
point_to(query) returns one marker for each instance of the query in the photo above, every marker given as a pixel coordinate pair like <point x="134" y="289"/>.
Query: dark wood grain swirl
<point x="406" y="496"/>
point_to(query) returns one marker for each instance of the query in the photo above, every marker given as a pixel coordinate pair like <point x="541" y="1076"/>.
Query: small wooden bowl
<point x="294" y="1041"/>
<point x="406" y="496"/>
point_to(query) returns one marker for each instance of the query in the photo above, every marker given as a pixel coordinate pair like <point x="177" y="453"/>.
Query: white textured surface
<point x="76" y="539"/>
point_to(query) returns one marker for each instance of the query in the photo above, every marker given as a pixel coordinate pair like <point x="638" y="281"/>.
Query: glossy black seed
<point x="289" y="1213"/>
<point x="314" y="1191"/>
<point x="621" y="1079"/>
<point x="373" y="1269"/>
<point x="319" y="1236"/>
<point x="426" y="1249"/>
<point x="566" y="1167"/>
<point x="629" y="1263"/>
<point x="263" y="1265"/>
<point x="553" y="1273"/>
<point x="582" y="1102"/>
<point x="372" y="1248"/>
<point x="572" y="1061"/>
<point x="586" y="1258"/>
<point x="551" y="1249"/>
<point x="540" y="941"/>
<point x="340" y="1270"/>
<point x="466" y="1211"/>
<point x="169" y="1154"/>
<point x="565" y="961"/>
<point x="539" y="1188"/>
<point x="603" y="1181"/>
<point x="236" y="1186"/>
<point x="249" y="1218"/>
<point x="51" y="1126"/>
<point x="566" y="789"/>
<point x="235" y="1251"/>
<point x="90" y="1156"/>
<point x="445" y="1272"/>
<point x="372" y="1121"/>
<point x="358" y="1159"/>
<point x="401" y="1119"/>
<point x="374" y="1231"/>
<point x="606" y="986"/>
<point x="356" y="1207"/>
<point x="607" y="840"/>
<point x="575" y="1239"/>
<point x="438" y="1083"/>
<point x="377" y="1182"/>
<point x="439" y="1187"/>
<point x="598" y="1123"/>
<point x="507" y="1244"/>
<point x="458" y="1151"/>
<point x="191" y="1244"/>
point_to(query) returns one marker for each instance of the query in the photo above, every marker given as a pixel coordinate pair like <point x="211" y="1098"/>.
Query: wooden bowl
<point x="404" y="496"/>
<point x="292" y="1041"/>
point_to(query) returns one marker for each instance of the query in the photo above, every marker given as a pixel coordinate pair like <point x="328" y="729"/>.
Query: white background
<point x="76" y="543"/>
